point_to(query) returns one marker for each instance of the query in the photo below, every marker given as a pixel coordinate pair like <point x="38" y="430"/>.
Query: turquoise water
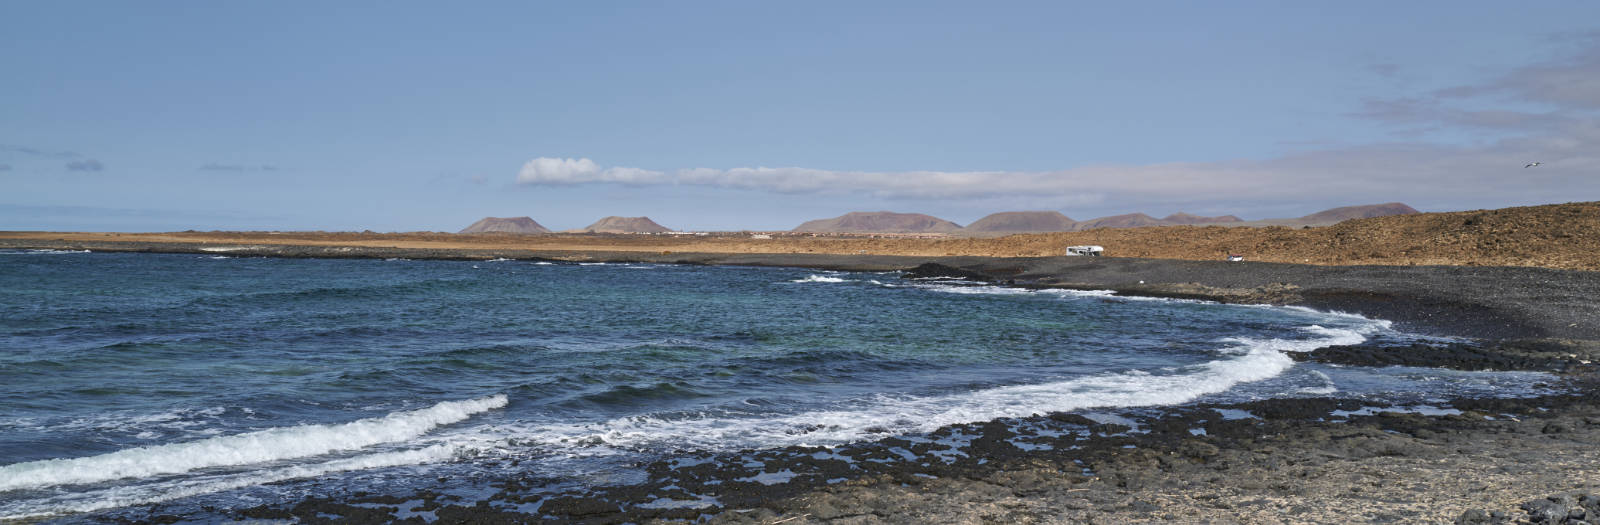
<point x="128" y="379"/>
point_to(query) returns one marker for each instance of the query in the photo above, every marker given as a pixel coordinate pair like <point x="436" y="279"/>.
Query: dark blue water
<point x="135" y="378"/>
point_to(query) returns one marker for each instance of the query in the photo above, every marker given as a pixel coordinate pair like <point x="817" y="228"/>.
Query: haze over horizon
<point x="707" y="116"/>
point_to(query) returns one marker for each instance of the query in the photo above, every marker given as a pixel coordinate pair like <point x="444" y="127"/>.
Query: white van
<point x="1089" y="250"/>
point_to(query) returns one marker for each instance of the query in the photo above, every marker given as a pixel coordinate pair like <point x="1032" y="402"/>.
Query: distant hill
<point x="1022" y="222"/>
<point x="1128" y="220"/>
<point x="880" y="222"/>
<point x="1360" y="212"/>
<point x="1185" y="219"/>
<point x="1333" y="216"/>
<point x="1140" y="220"/>
<point x="505" y="225"/>
<point x="616" y="224"/>
<point x="1321" y="218"/>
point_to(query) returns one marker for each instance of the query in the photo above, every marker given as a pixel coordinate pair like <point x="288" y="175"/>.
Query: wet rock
<point x="1590" y="503"/>
<point x="1456" y="356"/>
<point x="1546" y="510"/>
<point x="578" y="506"/>
<point x="1198" y="449"/>
<point x="1482" y="517"/>
<point x="1072" y="419"/>
<point x="1309" y="408"/>
<point x="936" y="270"/>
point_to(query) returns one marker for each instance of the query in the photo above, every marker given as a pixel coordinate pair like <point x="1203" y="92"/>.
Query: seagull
<point x="1532" y="164"/>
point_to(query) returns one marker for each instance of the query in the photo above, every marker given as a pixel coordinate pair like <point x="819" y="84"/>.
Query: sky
<point x="408" y="116"/>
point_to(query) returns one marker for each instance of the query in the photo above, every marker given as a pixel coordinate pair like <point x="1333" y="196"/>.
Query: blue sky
<point x="399" y="116"/>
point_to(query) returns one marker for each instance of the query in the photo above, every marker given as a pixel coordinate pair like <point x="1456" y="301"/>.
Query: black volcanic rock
<point x="941" y="271"/>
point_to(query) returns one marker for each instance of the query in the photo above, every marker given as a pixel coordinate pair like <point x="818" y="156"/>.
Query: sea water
<point x="210" y="381"/>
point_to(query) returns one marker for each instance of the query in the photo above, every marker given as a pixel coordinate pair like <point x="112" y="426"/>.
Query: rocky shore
<point x="1310" y="460"/>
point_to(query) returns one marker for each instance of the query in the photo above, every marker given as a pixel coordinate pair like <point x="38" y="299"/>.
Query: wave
<point x="242" y="449"/>
<point x="41" y="252"/>
<point x="814" y="278"/>
<point x="126" y="496"/>
<point x="1243" y="360"/>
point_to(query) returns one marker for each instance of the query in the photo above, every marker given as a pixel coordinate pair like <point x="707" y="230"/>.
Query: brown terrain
<point x="506" y="225"/>
<point x="1565" y="236"/>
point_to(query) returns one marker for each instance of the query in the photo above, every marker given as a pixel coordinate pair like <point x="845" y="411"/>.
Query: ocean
<point x="207" y="382"/>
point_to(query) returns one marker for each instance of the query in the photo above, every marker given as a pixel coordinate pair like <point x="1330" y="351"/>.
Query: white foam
<point x="971" y="289"/>
<point x="1327" y="385"/>
<point x="1007" y="290"/>
<point x="819" y="279"/>
<point x="41" y="252"/>
<point x="242" y="449"/>
<point x="137" y="495"/>
<point x="1243" y="360"/>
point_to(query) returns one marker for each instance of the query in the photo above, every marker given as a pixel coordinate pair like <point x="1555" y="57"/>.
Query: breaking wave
<point x="1241" y="360"/>
<point x="813" y="278"/>
<point x="242" y="449"/>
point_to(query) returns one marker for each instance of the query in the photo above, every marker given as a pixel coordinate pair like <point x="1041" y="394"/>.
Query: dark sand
<point x="1293" y="461"/>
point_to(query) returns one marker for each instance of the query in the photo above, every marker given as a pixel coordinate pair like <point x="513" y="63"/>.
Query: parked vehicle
<point x="1088" y="250"/>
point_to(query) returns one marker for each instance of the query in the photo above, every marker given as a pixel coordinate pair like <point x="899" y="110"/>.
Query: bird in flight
<point x="1532" y="164"/>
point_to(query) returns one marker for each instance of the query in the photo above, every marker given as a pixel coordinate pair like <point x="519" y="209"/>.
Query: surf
<point x="245" y="449"/>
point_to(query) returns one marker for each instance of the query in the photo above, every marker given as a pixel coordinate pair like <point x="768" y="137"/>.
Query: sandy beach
<point x="1277" y="461"/>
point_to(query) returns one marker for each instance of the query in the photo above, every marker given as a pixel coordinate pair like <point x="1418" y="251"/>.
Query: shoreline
<point x="1295" y="460"/>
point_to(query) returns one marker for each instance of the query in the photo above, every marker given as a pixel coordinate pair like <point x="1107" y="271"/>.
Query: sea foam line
<point x="1246" y="360"/>
<point x="813" y="278"/>
<point x="242" y="449"/>
<point x="138" y="495"/>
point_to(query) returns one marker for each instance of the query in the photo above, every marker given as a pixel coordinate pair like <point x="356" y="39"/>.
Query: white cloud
<point x="566" y="171"/>
<point x="1375" y="173"/>
<point x="546" y="170"/>
<point x="1564" y="135"/>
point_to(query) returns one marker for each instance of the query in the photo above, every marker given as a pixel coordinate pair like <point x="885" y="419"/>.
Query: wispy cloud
<point x="217" y="166"/>
<point x="1571" y="82"/>
<point x="1561" y="129"/>
<point x="36" y="152"/>
<point x="74" y="161"/>
<point x="85" y="165"/>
